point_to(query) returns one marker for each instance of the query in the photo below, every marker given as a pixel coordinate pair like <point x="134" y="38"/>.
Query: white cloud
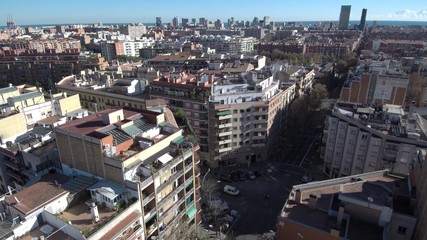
<point x="408" y="14"/>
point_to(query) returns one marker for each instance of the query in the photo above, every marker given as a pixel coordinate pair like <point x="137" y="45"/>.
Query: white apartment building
<point x="359" y="140"/>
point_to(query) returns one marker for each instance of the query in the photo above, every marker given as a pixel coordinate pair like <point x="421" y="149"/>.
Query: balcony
<point x="148" y="198"/>
<point x="224" y="133"/>
<point x="257" y="145"/>
<point x="225" y="125"/>
<point x="225" y="141"/>
<point x="258" y="121"/>
<point x="15" y="165"/>
<point x="174" y="207"/>
<point x="150" y="214"/>
<point x="225" y="117"/>
<point x="176" y="220"/>
<point x="224" y="149"/>
<point x="149" y="180"/>
<point x="171" y="179"/>
<point x="170" y="195"/>
<point x="259" y="137"/>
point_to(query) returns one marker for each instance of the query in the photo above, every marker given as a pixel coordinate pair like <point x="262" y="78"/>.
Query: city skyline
<point x="27" y="12"/>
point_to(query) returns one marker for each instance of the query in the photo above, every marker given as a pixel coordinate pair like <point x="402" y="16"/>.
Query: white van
<point x="231" y="190"/>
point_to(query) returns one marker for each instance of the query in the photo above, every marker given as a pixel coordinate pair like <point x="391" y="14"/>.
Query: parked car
<point x="306" y="179"/>
<point x="235" y="176"/>
<point x="231" y="190"/>
<point x="251" y="175"/>
<point x="241" y="175"/>
<point x="225" y="178"/>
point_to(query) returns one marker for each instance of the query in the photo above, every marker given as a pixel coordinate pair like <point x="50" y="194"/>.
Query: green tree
<point x="317" y="94"/>
<point x="180" y="116"/>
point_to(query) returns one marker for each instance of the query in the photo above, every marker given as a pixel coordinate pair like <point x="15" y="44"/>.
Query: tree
<point x="185" y="232"/>
<point x="209" y="187"/>
<point x="180" y="116"/>
<point x="318" y="93"/>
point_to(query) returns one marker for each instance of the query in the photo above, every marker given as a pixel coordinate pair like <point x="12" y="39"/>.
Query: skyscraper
<point x="266" y="21"/>
<point x="175" y="22"/>
<point x="158" y="21"/>
<point x="184" y="22"/>
<point x="363" y="19"/>
<point x="344" y="17"/>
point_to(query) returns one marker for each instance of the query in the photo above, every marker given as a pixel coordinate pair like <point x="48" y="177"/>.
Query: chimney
<point x="312" y="202"/>
<point x="340" y="216"/>
<point x="298" y="196"/>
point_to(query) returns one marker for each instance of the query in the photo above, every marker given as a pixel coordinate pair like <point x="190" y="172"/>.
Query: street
<point x="258" y="214"/>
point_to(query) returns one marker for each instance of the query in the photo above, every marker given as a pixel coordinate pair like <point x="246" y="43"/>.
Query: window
<point x="234" y="111"/>
<point x="401" y="230"/>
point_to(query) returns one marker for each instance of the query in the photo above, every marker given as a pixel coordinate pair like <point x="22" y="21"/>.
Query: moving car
<point x="231" y="190"/>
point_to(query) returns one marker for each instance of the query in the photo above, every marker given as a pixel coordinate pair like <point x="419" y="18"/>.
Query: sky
<point x="28" y="12"/>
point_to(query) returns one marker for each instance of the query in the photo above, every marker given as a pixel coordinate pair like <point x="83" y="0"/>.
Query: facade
<point x="235" y="114"/>
<point x="376" y="83"/>
<point x="135" y="31"/>
<point x="377" y="205"/>
<point x="364" y="139"/>
<point x="28" y="100"/>
<point x="99" y="92"/>
<point x="139" y="150"/>
<point x="421" y="186"/>
<point x="344" y="17"/>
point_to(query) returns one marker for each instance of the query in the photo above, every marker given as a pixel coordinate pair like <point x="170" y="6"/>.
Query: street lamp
<point x="204" y="177"/>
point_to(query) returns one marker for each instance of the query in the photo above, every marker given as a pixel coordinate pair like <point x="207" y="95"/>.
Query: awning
<point x="189" y="183"/>
<point x="191" y="211"/>
<point x="179" y="140"/>
<point x="222" y="113"/>
<point x="165" y="158"/>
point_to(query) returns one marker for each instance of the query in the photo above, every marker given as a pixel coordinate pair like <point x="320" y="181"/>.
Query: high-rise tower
<point x="9" y="22"/>
<point x="344" y="17"/>
<point x="363" y="19"/>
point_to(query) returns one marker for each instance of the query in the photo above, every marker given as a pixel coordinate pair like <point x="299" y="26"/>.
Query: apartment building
<point x="225" y="44"/>
<point x="190" y="93"/>
<point x="376" y="205"/>
<point x="32" y="103"/>
<point x="376" y="82"/>
<point x="135" y="31"/>
<point x="100" y="90"/>
<point x="364" y="139"/>
<point x="142" y="152"/>
<point x="245" y="117"/>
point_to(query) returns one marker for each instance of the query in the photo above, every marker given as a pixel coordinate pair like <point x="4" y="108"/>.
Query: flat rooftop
<point x="376" y="187"/>
<point x="91" y="124"/>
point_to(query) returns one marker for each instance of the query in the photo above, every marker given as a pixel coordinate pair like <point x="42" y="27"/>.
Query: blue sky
<point x="91" y="11"/>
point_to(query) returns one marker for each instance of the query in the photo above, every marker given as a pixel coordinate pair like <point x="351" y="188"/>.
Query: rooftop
<point x="386" y="119"/>
<point x="38" y="195"/>
<point x="93" y="124"/>
<point x="375" y="188"/>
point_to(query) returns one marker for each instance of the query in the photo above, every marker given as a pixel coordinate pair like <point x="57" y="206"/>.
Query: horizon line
<point x="284" y="21"/>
